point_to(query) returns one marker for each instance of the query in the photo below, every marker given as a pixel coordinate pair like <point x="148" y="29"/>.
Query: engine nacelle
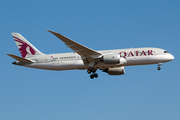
<point x="113" y="59"/>
<point x="115" y="71"/>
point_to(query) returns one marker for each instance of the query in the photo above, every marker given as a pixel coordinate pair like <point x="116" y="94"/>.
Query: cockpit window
<point x="166" y="52"/>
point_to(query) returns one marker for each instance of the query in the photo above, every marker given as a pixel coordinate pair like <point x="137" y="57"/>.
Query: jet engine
<point x="115" y="71"/>
<point x="112" y="59"/>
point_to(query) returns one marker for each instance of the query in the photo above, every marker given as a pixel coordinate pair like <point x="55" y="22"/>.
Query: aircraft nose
<point x="170" y="57"/>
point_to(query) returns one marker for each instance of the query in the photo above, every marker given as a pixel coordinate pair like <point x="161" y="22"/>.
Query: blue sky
<point x="142" y="93"/>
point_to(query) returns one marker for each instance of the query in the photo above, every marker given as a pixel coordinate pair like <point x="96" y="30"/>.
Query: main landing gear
<point x="159" y="64"/>
<point x="93" y="75"/>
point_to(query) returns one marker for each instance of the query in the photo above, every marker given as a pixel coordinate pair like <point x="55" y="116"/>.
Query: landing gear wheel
<point x="92" y="76"/>
<point x="95" y="75"/>
<point x="93" y="70"/>
<point x="89" y="71"/>
<point x="159" y="68"/>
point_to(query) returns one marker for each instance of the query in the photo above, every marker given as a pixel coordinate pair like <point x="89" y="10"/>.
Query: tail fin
<point x="26" y="48"/>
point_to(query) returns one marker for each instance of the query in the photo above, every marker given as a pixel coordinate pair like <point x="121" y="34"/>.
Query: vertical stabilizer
<point x="25" y="47"/>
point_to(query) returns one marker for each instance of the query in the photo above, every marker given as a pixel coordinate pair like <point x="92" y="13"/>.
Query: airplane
<point x="84" y="58"/>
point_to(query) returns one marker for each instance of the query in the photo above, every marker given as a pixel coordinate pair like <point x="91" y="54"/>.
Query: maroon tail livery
<point x="26" y="48"/>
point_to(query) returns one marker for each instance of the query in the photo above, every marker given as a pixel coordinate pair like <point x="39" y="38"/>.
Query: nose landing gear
<point x="93" y="75"/>
<point x="159" y="64"/>
<point x="159" y="68"/>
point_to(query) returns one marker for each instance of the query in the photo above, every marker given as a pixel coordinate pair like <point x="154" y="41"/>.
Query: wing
<point x="88" y="55"/>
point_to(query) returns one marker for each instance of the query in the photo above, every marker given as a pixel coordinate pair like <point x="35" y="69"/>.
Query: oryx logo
<point x="23" y="47"/>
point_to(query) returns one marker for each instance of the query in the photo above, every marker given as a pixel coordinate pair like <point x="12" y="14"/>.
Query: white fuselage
<point x="69" y="61"/>
<point x="84" y="58"/>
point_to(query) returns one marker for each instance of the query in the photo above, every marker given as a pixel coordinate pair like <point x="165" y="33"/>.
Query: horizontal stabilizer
<point x="20" y="59"/>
